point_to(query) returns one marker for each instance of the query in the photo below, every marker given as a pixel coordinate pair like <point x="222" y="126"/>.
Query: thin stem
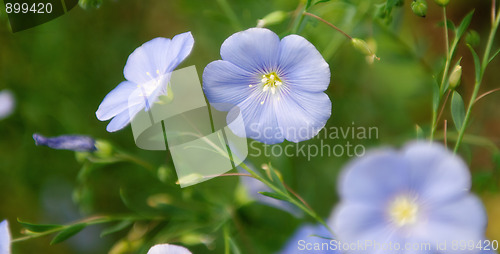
<point x="329" y="24"/>
<point x="477" y="84"/>
<point x="310" y="212"/>
<point x="445" y="73"/>
<point x="486" y="94"/>
<point x="231" y="15"/>
<point x="445" y="133"/>
<point x="444" y="105"/>
<point x="227" y="249"/>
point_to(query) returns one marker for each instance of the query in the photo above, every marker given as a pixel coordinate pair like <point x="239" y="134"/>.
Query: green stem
<point x="445" y="74"/>
<point x="477" y="84"/>
<point x="227" y="249"/>
<point x="310" y="212"/>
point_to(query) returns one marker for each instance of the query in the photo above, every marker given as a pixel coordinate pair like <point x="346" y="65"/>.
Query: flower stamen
<point x="403" y="211"/>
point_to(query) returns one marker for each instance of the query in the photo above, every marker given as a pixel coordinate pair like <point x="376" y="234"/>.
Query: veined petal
<point x="375" y="178"/>
<point x="462" y="220"/>
<point x="118" y="100"/>
<point x="5" y="237"/>
<point x="224" y="82"/>
<point x="353" y="219"/>
<point x="436" y="174"/>
<point x="156" y="57"/>
<point x="168" y="249"/>
<point x="259" y="117"/>
<point x="302" y="65"/>
<point x="302" y="115"/>
<point x="123" y="118"/>
<point x="255" y="50"/>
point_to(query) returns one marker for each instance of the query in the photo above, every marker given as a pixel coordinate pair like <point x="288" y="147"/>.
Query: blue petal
<point x="309" y="234"/>
<point x="168" y="249"/>
<point x="462" y="220"/>
<point x="260" y="119"/>
<point x="255" y="50"/>
<point x="301" y="115"/>
<point x="118" y="100"/>
<point x="156" y="57"/>
<point x="437" y="175"/>
<point x="224" y="82"/>
<point x="123" y="118"/>
<point x="77" y="143"/>
<point x="302" y="65"/>
<point x="375" y="178"/>
<point x="5" y="237"/>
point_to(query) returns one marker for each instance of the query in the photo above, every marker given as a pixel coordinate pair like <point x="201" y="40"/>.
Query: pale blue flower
<point x="5" y="237"/>
<point x="148" y="70"/>
<point x="419" y="195"/>
<point x="278" y="85"/>
<point x="168" y="249"/>
<point x="7" y="103"/>
<point x="310" y="239"/>
<point x="77" y="143"/>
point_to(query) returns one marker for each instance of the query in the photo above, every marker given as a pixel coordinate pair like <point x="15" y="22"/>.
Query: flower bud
<point x="104" y="149"/>
<point x="419" y="7"/>
<point x="455" y="77"/>
<point x="442" y="2"/>
<point x="272" y="18"/>
<point x="361" y="46"/>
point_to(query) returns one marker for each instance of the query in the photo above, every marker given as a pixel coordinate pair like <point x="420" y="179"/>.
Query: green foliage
<point x="419" y="7"/>
<point x="457" y="110"/>
<point x="68" y="233"/>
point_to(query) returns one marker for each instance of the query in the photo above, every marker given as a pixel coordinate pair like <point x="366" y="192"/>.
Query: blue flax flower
<point x="5" y="238"/>
<point x="411" y="200"/>
<point x="168" y="249"/>
<point x="148" y="70"/>
<point x="77" y="143"/>
<point x="278" y="85"/>
<point x="310" y="239"/>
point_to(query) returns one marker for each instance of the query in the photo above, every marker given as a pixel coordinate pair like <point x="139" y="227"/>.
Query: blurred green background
<point x="60" y="72"/>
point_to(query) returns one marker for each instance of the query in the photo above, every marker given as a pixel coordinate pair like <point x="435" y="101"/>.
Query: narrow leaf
<point x="436" y="94"/>
<point x="494" y="55"/>
<point x="457" y="110"/>
<point x="274" y="195"/>
<point x="308" y="4"/>
<point x="67" y="233"/>
<point x="276" y="179"/>
<point x="38" y="228"/>
<point x="464" y="25"/>
<point x="477" y="63"/>
<point x="115" y="228"/>
<point x="321" y="1"/>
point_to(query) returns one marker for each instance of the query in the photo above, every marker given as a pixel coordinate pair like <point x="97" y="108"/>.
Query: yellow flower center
<point x="403" y="211"/>
<point x="269" y="83"/>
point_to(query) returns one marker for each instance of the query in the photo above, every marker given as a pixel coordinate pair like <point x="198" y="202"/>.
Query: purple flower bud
<point x="77" y="143"/>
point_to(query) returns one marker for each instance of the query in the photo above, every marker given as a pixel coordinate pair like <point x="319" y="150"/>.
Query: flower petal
<point x="255" y="50"/>
<point x="375" y="178"/>
<point x="260" y="119"/>
<point x="156" y="57"/>
<point x="462" y="220"/>
<point x="168" y="249"/>
<point x="7" y="103"/>
<point x="77" y="143"/>
<point x="310" y="234"/>
<point x="118" y="100"/>
<point x="302" y="66"/>
<point x="436" y="174"/>
<point x="224" y="82"/>
<point x="302" y="115"/>
<point x="5" y="237"/>
<point x="124" y="118"/>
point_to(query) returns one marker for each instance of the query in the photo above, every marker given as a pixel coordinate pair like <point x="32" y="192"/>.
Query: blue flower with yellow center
<point x="278" y="85"/>
<point x="417" y="201"/>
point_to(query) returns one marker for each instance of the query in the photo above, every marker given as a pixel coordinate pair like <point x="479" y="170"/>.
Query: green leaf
<point x="321" y="1"/>
<point x="494" y="55"/>
<point x="457" y="110"/>
<point x="464" y="25"/>
<point x="234" y="246"/>
<point x="38" y="228"/>
<point x="117" y="227"/>
<point x="308" y="4"/>
<point x="477" y="63"/>
<point x="276" y="179"/>
<point x="67" y="233"/>
<point x="274" y="195"/>
<point x="436" y="94"/>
